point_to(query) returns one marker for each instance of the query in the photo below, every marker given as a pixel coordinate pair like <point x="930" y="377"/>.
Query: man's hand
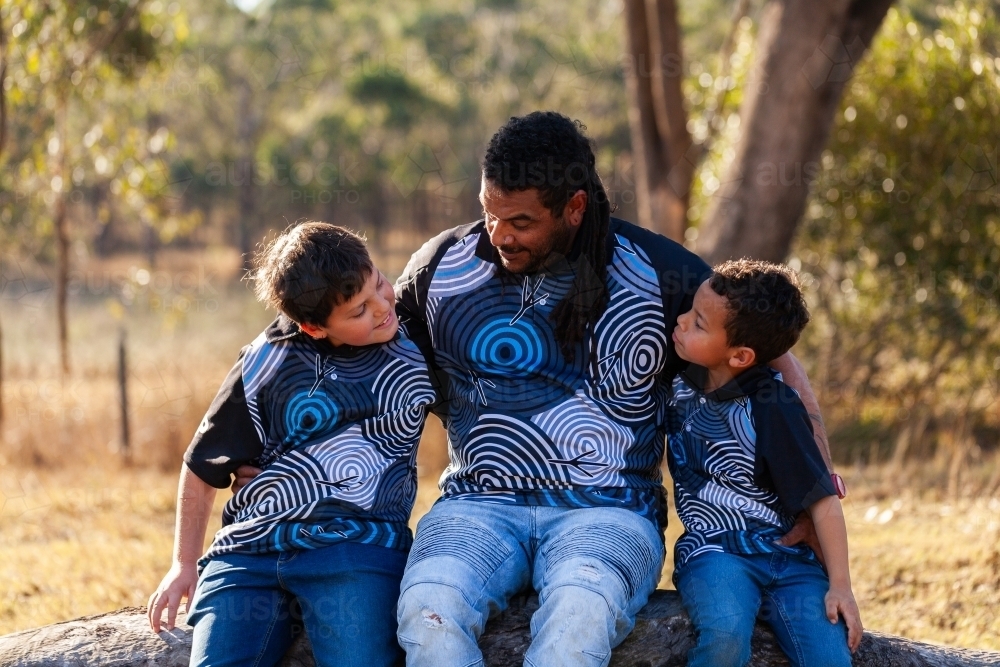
<point x="243" y="476"/>
<point x="804" y="532"/>
<point x="179" y="583"/>
<point x="841" y="602"/>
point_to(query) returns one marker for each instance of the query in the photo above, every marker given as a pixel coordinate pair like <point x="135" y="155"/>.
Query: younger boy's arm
<point x="195" y="499"/>
<point x="828" y="516"/>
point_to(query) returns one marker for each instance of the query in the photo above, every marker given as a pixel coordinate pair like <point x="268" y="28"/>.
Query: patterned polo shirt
<point x="744" y="463"/>
<point x="526" y="426"/>
<point x="335" y="430"/>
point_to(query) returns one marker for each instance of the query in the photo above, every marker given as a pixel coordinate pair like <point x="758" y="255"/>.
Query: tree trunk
<point x="806" y="53"/>
<point x="3" y="140"/>
<point x="661" y="638"/>
<point x="662" y="151"/>
<point x="247" y="127"/>
<point x="62" y="235"/>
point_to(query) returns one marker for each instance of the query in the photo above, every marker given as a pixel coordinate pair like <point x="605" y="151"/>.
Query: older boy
<point x="744" y="463"/>
<point x="329" y="401"/>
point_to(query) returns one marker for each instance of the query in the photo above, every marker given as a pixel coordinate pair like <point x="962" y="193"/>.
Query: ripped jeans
<point x="593" y="568"/>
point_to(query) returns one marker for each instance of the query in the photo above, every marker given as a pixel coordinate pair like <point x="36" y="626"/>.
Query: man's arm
<point x="804" y="531"/>
<point x="795" y="376"/>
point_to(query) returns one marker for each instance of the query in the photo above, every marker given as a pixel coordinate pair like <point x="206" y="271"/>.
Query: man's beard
<point x="554" y="251"/>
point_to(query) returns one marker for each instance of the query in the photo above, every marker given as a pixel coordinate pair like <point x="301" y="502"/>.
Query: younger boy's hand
<point x="178" y="583"/>
<point x="840" y="602"/>
<point x="244" y="474"/>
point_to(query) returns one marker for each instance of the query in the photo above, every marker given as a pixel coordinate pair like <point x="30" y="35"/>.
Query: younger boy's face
<point x="367" y="318"/>
<point x="700" y="334"/>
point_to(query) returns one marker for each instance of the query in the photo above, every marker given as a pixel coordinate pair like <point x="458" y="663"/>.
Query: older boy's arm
<point x="195" y="499"/>
<point x="795" y="376"/>
<point x="828" y="515"/>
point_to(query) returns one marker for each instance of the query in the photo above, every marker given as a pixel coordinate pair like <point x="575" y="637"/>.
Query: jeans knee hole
<point x="432" y="619"/>
<point x="589" y="573"/>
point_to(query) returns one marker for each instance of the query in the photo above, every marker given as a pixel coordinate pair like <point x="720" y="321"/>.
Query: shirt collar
<point x="283" y="328"/>
<point x="746" y="383"/>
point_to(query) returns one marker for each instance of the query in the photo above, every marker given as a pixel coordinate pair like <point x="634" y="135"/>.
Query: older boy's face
<point x="700" y="334"/>
<point x="368" y="318"/>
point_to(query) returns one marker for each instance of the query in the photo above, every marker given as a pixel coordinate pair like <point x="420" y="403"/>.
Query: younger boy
<point x="329" y="401"/>
<point x="744" y="463"/>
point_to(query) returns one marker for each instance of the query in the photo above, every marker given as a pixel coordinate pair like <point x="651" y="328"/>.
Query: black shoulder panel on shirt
<point x="788" y="460"/>
<point x="411" y="300"/>
<point x="412" y="285"/>
<point x="226" y="437"/>
<point x="680" y="272"/>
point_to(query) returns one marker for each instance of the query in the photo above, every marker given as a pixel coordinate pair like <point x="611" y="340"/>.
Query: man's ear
<point x="312" y="330"/>
<point x="744" y="357"/>
<point x="575" y="208"/>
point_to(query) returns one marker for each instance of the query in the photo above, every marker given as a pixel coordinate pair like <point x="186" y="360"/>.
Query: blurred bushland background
<point x="147" y="146"/>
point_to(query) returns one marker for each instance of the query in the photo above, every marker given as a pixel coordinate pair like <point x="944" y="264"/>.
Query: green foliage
<point x="375" y="114"/>
<point x="337" y="104"/>
<point x="900" y="246"/>
<point x="88" y="62"/>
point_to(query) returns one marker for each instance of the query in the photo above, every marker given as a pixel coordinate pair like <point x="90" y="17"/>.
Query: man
<point x="549" y="324"/>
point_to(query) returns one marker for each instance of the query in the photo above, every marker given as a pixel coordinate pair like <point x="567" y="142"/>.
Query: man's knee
<point x="583" y="606"/>
<point x="622" y="564"/>
<point x="450" y="544"/>
<point x="436" y="608"/>
<point x="576" y="625"/>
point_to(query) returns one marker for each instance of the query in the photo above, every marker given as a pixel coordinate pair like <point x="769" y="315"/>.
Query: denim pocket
<point x="602" y="657"/>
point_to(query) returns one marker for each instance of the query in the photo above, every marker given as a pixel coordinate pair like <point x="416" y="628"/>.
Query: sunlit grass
<point x="79" y="542"/>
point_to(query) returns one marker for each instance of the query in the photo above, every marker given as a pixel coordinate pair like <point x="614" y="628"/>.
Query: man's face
<point x="523" y="229"/>
<point x="367" y="318"/>
<point x="700" y="334"/>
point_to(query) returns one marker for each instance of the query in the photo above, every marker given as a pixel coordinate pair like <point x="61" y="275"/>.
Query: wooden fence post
<point x="123" y="394"/>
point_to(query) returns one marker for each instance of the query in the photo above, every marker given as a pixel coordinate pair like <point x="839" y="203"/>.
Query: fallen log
<point x="661" y="638"/>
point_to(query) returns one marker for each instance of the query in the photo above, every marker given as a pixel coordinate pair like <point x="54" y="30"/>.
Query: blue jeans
<point x="593" y="568"/>
<point x="725" y="593"/>
<point x="248" y="608"/>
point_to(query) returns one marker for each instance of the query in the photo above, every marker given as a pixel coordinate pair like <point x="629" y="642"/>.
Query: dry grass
<point x="922" y="566"/>
<point x="77" y="542"/>
<point x="80" y="533"/>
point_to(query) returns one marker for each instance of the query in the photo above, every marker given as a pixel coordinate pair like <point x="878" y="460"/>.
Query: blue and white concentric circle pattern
<point x="339" y="435"/>
<point x="521" y="418"/>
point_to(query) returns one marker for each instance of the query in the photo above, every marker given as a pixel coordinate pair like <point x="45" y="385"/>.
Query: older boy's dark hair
<point x="766" y="309"/>
<point x="549" y="152"/>
<point x="310" y="268"/>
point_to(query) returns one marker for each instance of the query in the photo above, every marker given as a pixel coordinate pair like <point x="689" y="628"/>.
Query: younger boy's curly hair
<point x="767" y="311"/>
<point x="310" y="268"/>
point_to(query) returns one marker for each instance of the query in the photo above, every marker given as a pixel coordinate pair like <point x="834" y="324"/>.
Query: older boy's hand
<point x="804" y="532"/>
<point x="841" y="602"/>
<point x="243" y="476"/>
<point x="179" y="583"/>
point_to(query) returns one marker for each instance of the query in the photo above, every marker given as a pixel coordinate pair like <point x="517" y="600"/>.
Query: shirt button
<point x="688" y="427"/>
<point x="702" y="399"/>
